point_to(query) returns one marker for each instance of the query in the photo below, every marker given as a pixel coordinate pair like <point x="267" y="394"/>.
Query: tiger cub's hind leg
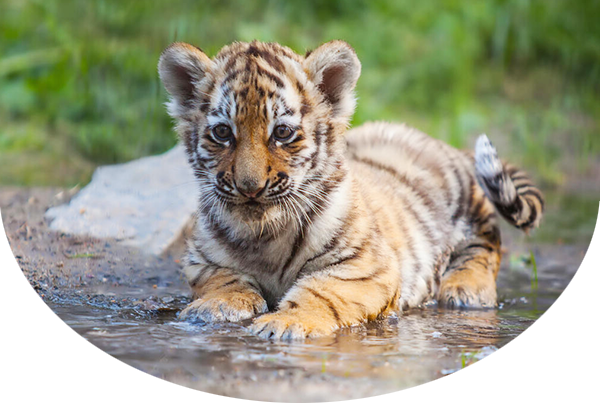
<point x="469" y="280"/>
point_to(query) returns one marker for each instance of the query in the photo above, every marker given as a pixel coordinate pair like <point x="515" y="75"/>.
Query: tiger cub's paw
<point x="228" y="307"/>
<point x="460" y="296"/>
<point x="291" y="325"/>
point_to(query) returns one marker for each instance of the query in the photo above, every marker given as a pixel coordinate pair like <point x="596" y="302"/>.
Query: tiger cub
<point x="320" y="226"/>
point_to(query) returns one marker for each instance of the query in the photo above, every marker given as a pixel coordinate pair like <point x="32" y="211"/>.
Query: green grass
<point x="78" y="81"/>
<point x="534" y="271"/>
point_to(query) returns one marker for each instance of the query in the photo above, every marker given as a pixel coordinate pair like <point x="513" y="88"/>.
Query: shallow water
<point x="389" y="354"/>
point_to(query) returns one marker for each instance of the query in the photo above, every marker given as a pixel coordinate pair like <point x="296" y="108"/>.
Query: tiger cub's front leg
<point x="222" y="295"/>
<point x="322" y="302"/>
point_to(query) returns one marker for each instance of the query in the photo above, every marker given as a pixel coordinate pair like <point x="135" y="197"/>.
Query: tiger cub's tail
<point x="511" y="191"/>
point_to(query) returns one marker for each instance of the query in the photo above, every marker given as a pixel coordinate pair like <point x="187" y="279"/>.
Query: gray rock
<point x="146" y="203"/>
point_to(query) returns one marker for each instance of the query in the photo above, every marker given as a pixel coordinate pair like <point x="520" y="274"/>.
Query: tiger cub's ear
<point x="335" y="68"/>
<point x="181" y="68"/>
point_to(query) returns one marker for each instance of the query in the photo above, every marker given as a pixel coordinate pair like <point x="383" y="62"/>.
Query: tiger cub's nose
<point x="251" y="188"/>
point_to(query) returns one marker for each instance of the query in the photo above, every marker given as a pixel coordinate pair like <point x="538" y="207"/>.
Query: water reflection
<point x="378" y="357"/>
<point x="424" y="342"/>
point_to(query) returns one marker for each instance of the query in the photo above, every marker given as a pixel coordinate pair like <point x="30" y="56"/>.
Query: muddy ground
<point x="112" y="294"/>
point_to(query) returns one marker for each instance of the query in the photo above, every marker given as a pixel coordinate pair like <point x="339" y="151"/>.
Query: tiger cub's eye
<point x="222" y="133"/>
<point x="283" y="133"/>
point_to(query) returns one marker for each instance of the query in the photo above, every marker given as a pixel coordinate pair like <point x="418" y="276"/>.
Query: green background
<point x="79" y="87"/>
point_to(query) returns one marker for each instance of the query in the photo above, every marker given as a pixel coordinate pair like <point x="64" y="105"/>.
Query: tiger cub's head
<point x="262" y="126"/>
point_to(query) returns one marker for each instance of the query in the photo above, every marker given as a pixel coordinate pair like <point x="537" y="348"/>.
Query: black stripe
<point x="477" y="221"/>
<point x="511" y="170"/>
<point x="333" y="242"/>
<point x="214" y="142"/>
<point x="298" y="242"/>
<point x="532" y="216"/>
<point x="295" y="140"/>
<point x="271" y="59"/>
<point x="532" y="191"/>
<point x="410" y="248"/>
<point x="460" y="265"/>
<point x="476" y="210"/>
<point x="330" y="139"/>
<point x="278" y="81"/>
<point x="206" y="271"/>
<point x="442" y="263"/>
<point x="356" y="253"/>
<point x="372" y="276"/>
<point x="203" y="256"/>
<point x="231" y="76"/>
<point x="461" y="199"/>
<point x="319" y="142"/>
<point x="305" y="109"/>
<point x="235" y="246"/>
<point x="274" y="194"/>
<point x="519" y="176"/>
<point x="485" y="246"/>
<point x="493" y="235"/>
<point x="234" y="281"/>
<point x="447" y="191"/>
<point x="305" y="223"/>
<point x="335" y="239"/>
<point x="402" y="178"/>
<point x="472" y="186"/>
<point x="509" y="211"/>
<point x="463" y="258"/>
<point x="231" y="62"/>
<point x="297" y="161"/>
<point x="522" y="182"/>
<point x="328" y="302"/>
<point x="429" y="231"/>
<point x="192" y="141"/>
<point x="394" y="298"/>
<point x="362" y="307"/>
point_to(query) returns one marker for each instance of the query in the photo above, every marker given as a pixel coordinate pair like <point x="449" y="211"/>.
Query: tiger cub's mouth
<point x="252" y="210"/>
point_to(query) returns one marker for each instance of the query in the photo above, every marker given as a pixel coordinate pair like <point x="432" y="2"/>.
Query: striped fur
<point x="514" y="195"/>
<point x="327" y="227"/>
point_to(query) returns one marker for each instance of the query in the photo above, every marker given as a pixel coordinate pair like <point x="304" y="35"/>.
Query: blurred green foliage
<point x="78" y="81"/>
